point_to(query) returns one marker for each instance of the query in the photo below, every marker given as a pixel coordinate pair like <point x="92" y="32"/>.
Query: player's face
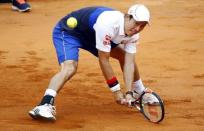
<point x="132" y="27"/>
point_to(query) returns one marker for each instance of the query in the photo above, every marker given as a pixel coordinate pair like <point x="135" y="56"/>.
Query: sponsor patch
<point x="107" y="40"/>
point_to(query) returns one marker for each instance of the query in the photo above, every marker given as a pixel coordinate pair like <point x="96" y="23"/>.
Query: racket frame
<point x="139" y="106"/>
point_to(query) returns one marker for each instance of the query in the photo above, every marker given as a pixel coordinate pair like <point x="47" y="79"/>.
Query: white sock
<point x="50" y="92"/>
<point x="138" y="86"/>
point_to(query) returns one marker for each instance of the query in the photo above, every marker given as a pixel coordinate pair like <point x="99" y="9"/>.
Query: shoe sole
<point x="17" y="9"/>
<point x="39" y="117"/>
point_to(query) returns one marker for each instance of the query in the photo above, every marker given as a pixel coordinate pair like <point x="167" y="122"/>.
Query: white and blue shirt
<point x="110" y="25"/>
<point x="100" y="28"/>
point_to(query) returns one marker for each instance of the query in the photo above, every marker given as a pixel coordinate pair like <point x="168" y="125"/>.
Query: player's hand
<point x="119" y="97"/>
<point x="129" y="98"/>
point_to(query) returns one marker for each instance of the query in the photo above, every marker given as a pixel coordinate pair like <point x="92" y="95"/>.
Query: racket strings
<point x="152" y="107"/>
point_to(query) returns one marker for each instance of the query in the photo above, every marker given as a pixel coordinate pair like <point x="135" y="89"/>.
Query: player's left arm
<point x="128" y="70"/>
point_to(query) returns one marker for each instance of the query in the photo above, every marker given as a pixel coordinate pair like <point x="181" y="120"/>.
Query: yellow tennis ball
<point x="72" y="22"/>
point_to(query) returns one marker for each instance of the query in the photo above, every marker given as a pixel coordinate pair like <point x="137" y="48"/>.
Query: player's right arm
<point x="104" y="35"/>
<point x="103" y="44"/>
<point x="105" y="64"/>
<point x="110" y="76"/>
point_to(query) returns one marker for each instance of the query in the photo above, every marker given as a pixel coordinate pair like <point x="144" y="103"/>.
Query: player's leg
<point x="46" y="108"/>
<point x="118" y="95"/>
<point x="67" y="48"/>
<point x="68" y="69"/>
<point x="119" y="54"/>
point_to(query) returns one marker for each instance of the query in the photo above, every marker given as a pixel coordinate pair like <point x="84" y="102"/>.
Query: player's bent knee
<point x="69" y="69"/>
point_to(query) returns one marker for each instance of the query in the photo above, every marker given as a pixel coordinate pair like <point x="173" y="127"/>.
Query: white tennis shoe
<point x="147" y="98"/>
<point x="46" y="111"/>
<point x="137" y="95"/>
<point x="150" y="99"/>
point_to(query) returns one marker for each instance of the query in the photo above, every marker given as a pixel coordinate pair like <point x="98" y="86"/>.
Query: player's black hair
<point x="129" y="16"/>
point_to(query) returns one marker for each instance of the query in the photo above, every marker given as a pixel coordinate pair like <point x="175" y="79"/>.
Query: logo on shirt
<point x="107" y="40"/>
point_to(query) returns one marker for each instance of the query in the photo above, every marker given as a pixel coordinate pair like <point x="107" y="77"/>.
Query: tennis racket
<point x="151" y="106"/>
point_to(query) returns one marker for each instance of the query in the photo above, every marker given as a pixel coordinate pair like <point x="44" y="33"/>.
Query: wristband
<point x="113" y="84"/>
